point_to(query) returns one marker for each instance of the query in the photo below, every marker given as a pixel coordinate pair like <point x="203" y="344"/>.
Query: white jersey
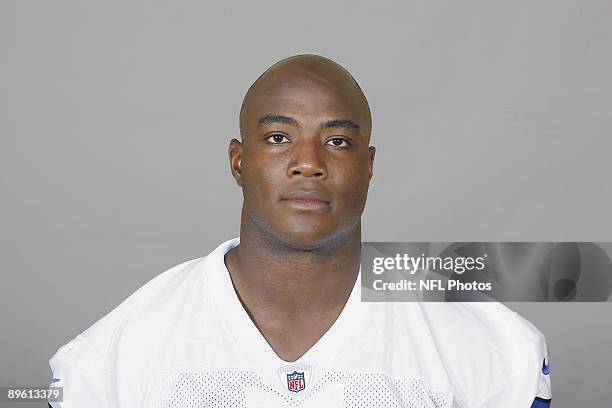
<point x="184" y="340"/>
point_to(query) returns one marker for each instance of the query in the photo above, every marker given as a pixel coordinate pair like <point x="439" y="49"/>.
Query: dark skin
<point x="304" y="165"/>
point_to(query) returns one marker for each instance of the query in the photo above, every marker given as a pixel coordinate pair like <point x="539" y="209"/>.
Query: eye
<point x="277" y="138"/>
<point x="338" y="142"/>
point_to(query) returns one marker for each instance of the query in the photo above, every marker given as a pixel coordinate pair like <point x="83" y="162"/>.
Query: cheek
<point x="260" y="181"/>
<point x="353" y="189"/>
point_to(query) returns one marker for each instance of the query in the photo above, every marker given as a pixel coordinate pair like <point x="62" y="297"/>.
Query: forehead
<point x="307" y="97"/>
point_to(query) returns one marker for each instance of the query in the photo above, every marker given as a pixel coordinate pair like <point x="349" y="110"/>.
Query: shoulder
<point x="114" y="358"/>
<point x="89" y="366"/>
<point x="491" y="352"/>
<point x="91" y="347"/>
<point x="481" y="323"/>
<point x="158" y="303"/>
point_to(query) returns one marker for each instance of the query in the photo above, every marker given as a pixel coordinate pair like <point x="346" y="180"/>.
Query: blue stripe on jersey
<point x="541" y="403"/>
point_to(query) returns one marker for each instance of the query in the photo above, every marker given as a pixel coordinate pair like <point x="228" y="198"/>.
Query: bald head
<point x="319" y="77"/>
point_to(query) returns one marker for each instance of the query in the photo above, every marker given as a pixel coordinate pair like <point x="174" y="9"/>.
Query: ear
<point x="235" y="158"/>
<point x="371" y="153"/>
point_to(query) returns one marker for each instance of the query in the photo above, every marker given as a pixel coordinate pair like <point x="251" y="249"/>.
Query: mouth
<point x="306" y="200"/>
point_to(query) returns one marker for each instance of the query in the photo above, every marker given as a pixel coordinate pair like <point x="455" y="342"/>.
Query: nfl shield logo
<point x="296" y="382"/>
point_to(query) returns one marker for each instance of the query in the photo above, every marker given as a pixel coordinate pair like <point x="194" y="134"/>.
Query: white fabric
<point x="184" y="340"/>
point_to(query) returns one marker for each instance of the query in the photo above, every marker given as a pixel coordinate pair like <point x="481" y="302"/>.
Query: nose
<point x="306" y="161"/>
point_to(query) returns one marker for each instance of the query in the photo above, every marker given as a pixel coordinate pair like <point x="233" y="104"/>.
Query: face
<point x="304" y="164"/>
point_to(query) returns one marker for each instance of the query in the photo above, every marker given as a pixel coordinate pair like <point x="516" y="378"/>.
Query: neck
<point x="270" y="274"/>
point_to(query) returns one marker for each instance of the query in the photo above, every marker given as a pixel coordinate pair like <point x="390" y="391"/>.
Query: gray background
<point x="492" y="122"/>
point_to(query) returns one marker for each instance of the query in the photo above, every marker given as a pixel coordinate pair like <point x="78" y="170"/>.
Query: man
<point x="274" y="319"/>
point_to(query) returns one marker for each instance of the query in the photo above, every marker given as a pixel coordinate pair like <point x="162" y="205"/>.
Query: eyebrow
<point x="270" y="118"/>
<point x="340" y="123"/>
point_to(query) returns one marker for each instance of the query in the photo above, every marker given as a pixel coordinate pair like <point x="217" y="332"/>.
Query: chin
<point x="302" y="235"/>
<point x="310" y="239"/>
<point x="304" y="241"/>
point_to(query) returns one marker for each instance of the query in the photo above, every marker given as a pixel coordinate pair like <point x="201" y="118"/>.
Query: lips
<point x="306" y="199"/>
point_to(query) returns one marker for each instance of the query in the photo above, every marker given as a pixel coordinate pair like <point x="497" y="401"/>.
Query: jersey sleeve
<point x="80" y="372"/>
<point x="87" y="366"/>
<point x="543" y="395"/>
<point x="530" y="386"/>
